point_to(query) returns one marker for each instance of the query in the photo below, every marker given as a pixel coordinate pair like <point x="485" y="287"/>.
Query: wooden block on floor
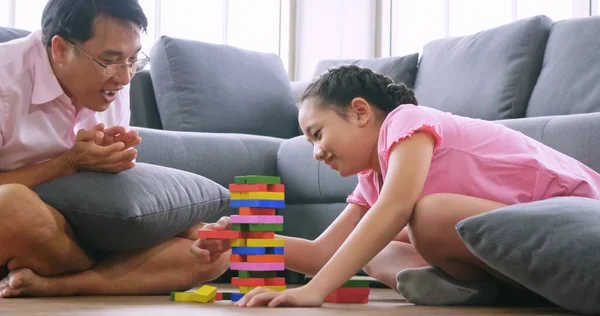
<point x="356" y="283"/>
<point x="236" y="296"/>
<point x="347" y="299"/>
<point x="206" y="294"/>
<point x="257" y="179"/>
<point x="218" y="234"/>
<point x="183" y="296"/>
<point x="246" y="289"/>
<point x="264" y="258"/>
<point x="352" y="291"/>
<point x="257" y="196"/>
<point x="256" y="219"/>
<point x="257" y="266"/>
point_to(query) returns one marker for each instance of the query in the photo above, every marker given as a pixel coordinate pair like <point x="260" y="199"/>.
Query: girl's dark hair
<point x="74" y="19"/>
<point x="338" y="86"/>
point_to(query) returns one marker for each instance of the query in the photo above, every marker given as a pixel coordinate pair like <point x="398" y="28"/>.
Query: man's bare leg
<point x="166" y="267"/>
<point x="36" y="236"/>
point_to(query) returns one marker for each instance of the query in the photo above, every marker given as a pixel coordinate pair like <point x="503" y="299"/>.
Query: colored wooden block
<point x="226" y="296"/>
<point x="246" y="289"/>
<point x="257" y="266"/>
<point x="218" y="234"/>
<point x="257" y="227"/>
<point x="275" y="281"/>
<point x="347" y="299"/>
<point x="241" y="242"/>
<point x="205" y="294"/>
<point x="237" y="258"/>
<point x="236" y="296"/>
<point x="247" y="281"/>
<point x="183" y="296"/>
<point x="356" y="283"/>
<point x="256" y="219"/>
<point x="274" y="251"/>
<point x="257" y="196"/>
<point x="256" y="188"/>
<point x="276" y="242"/>
<point x="258" y="235"/>
<point x="256" y="211"/>
<point x="264" y="258"/>
<point x="352" y="291"/>
<point x="257" y="179"/>
<point x="257" y="203"/>
<point x="257" y="274"/>
<point x="219" y="296"/>
<point x="248" y="250"/>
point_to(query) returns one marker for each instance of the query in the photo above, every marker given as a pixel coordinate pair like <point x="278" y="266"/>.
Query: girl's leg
<point x="456" y="275"/>
<point x="397" y="256"/>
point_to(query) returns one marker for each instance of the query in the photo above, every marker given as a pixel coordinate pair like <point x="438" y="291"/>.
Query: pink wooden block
<point x="256" y="219"/>
<point x="257" y="266"/>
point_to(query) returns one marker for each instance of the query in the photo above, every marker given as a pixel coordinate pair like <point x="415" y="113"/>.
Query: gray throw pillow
<point x="133" y="209"/>
<point x="551" y="247"/>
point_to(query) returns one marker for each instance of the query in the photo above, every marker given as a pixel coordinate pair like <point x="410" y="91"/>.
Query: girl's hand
<point x="298" y="297"/>
<point x="209" y="250"/>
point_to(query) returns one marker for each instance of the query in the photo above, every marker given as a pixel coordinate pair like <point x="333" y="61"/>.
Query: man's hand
<point x="209" y="250"/>
<point x="117" y="134"/>
<point x="88" y="155"/>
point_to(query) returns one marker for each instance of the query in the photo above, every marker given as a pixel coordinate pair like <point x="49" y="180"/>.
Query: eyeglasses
<point x="113" y="68"/>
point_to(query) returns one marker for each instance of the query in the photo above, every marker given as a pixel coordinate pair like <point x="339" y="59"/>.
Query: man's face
<point x="83" y="79"/>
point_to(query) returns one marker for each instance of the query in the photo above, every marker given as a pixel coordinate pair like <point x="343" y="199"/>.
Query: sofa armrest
<point x="298" y="88"/>
<point x="216" y="156"/>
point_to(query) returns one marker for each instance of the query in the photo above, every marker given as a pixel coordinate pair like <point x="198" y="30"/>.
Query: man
<point x="64" y="108"/>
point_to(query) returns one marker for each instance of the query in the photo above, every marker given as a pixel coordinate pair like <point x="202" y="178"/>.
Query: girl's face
<point x="347" y="144"/>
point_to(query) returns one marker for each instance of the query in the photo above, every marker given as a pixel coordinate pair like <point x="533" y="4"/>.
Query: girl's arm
<point x="409" y="163"/>
<point x="307" y="256"/>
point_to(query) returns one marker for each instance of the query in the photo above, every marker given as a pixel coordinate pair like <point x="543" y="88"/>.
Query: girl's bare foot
<point x="23" y="282"/>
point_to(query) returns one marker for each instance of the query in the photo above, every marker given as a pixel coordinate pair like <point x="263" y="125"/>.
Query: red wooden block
<point x="237" y="258"/>
<point x="218" y="234"/>
<point x="247" y="281"/>
<point x="347" y="299"/>
<point x="256" y="211"/>
<point x="219" y="296"/>
<point x="258" y="235"/>
<point x="352" y="291"/>
<point x="256" y="187"/>
<point x="275" y="281"/>
<point x="276" y="188"/>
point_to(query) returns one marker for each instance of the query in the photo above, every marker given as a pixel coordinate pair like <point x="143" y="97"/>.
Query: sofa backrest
<point x="569" y="82"/>
<point x="8" y="34"/>
<point x="487" y="75"/>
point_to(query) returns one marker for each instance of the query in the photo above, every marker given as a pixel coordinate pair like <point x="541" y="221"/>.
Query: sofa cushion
<point x="398" y="68"/>
<point x="568" y="82"/>
<point x="203" y="87"/>
<point x="133" y="209"/>
<point x="8" y="34"/>
<point x="487" y="75"/>
<point x="550" y="247"/>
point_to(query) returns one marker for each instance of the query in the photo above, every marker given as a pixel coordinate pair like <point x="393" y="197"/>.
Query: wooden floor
<point x="382" y="302"/>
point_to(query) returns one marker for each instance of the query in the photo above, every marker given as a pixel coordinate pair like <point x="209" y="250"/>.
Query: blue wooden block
<point x="257" y="203"/>
<point x="274" y="251"/>
<point x="248" y="250"/>
<point x="236" y="296"/>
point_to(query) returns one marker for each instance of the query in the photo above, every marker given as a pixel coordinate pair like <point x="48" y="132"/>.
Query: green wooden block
<point x="356" y="283"/>
<point x="262" y="180"/>
<point x="226" y="296"/>
<point x="239" y="179"/>
<point x="265" y="227"/>
<point x="257" y="274"/>
<point x="237" y="227"/>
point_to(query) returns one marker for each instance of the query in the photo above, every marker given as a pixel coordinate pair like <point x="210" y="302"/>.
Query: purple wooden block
<point x="256" y="219"/>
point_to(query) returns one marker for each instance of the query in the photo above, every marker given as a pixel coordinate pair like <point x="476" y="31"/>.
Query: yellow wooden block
<point x="183" y="296"/>
<point x="257" y="196"/>
<point x="205" y="294"/>
<point x="240" y="242"/>
<point x="254" y="242"/>
<point x="246" y="289"/>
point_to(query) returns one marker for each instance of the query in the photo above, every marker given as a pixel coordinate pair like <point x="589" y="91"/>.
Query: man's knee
<point x="24" y="218"/>
<point x="429" y="224"/>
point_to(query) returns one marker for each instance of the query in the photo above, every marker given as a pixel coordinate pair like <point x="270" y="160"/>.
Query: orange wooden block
<point x="237" y="258"/>
<point x="247" y="281"/>
<point x="275" y="281"/>
<point x="256" y="211"/>
<point x="264" y="258"/>
<point x="258" y="235"/>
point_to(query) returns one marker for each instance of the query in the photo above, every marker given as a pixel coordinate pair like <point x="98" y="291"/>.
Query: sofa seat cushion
<point x="550" y="247"/>
<point x="568" y="82"/>
<point x="203" y="87"/>
<point x="133" y="209"/>
<point x="487" y="75"/>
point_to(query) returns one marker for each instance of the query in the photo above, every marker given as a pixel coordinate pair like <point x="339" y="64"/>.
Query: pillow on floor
<point x="551" y="247"/>
<point x="133" y="209"/>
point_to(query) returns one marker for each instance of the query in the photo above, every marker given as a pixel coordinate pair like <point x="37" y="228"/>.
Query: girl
<point x="420" y="172"/>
